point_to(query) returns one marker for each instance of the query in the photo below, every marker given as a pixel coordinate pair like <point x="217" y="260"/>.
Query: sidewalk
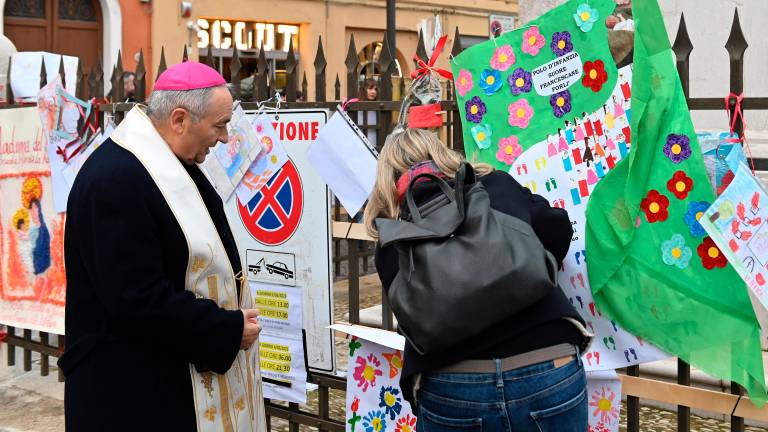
<point x="28" y="401"/>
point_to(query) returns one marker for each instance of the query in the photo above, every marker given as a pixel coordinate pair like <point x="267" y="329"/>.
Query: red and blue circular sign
<point x="274" y="213"/>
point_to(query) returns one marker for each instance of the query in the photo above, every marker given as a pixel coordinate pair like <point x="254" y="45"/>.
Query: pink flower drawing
<point x="533" y="41"/>
<point x="503" y="58"/>
<point x="464" y="82"/>
<point x="520" y="113"/>
<point x="509" y="150"/>
<point x="366" y="371"/>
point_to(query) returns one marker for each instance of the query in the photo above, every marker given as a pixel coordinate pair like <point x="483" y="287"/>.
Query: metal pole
<point x="391" y="31"/>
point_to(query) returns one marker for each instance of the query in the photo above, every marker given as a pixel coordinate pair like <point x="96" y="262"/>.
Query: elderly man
<point x="159" y="334"/>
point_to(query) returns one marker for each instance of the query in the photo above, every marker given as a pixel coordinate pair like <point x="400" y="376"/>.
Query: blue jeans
<point x="537" y="398"/>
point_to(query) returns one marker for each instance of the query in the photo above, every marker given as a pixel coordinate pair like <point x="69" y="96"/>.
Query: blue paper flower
<point x="695" y="212"/>
<point x="375" y="421"/>
<point x="482" y="135"/>
<point x="490" y="81"/>
<point x="586" y="17"/>
<point x="675" y="252"/>
<point x="390" y="401"/>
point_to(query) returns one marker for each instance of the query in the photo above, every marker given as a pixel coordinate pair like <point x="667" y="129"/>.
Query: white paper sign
<point x="557" y="75"/>
<point x="280" y="310"/>
<point x="25" y="72"/>
<point x="283" y="369"/>
<point x="346" y="161"/>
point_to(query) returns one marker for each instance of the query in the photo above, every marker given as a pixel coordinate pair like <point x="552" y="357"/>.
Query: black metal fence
<point x="347" y="241"/>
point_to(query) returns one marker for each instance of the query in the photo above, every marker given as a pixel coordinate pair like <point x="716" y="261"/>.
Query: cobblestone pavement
<point x="34" y="404"/>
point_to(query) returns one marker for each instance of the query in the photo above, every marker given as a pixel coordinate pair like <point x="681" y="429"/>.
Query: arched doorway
<point x="70" y="27"/>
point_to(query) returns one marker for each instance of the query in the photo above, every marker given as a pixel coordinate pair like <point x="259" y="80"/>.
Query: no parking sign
<point x="284" y="232"/>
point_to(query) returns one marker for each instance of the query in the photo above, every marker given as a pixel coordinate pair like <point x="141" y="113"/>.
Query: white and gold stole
<point x="233" y="401"/>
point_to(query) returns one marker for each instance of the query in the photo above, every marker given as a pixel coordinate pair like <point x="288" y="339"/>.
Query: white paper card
<point x="345" y="160"/>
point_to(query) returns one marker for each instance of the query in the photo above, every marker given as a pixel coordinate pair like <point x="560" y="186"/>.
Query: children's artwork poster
<point x="228" y="162"/>
<point x="26" y="67"/>
<point x="283" y="368"/>
<point x="68" y="125"/>
<point x="374" y="398"/>
<point x="519" y="89"/>
<point x="271" y="158"/>
<point x="603" y="401"/>
<point x="32" y="276"/>
<point x="564" y="168"/>
<point x="737" y="225"/>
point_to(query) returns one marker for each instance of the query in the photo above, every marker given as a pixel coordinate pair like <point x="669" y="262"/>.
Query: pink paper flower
<point x="509" y="150"/>
<point x="503" y="58"/>
<point x="520" y="113"/>
<point x="533" y="41"/>
<point x="366" y="371"/>
<point x="464" y="82"/>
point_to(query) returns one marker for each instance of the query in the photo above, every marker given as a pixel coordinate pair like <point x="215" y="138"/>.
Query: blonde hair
<point x="401" y="151"/>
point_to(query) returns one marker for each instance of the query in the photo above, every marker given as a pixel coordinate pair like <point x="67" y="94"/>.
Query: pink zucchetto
<point x="189" y="75"/>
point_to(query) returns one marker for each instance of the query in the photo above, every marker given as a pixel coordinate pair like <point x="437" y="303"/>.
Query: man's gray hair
<point x="161" y="103"/>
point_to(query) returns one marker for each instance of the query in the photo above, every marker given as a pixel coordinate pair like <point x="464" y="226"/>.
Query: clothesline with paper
<point x="346" y="161"/>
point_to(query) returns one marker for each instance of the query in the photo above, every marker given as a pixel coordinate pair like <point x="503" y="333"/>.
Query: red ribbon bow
<point x="425" y="68"/>
<point x="735" y="114"/>
<point x="345" y="102"/>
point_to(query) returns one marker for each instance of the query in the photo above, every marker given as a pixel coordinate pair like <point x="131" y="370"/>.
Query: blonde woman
<point x="525" y="374"/>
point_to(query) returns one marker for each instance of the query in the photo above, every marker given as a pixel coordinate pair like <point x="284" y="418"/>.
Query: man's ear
<point x="178" y="119"/>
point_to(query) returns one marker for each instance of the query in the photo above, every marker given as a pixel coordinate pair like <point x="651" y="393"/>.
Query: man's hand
<point x="251" y="327"/>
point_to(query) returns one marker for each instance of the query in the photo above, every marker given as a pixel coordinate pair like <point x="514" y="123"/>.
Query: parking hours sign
<point x="284" y="232"/>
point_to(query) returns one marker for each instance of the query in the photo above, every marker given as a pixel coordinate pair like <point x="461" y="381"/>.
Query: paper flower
<point x="520" y="81"/>
<point x="406" y="424"/>
<point x="464" y="82"/>
<point x="395" y="361"/>
<point x="533" y="41"/>
<point x="366" y="371"/>
<point x="561" y="43"/>
<point x="561" y="103"/>
<point x="675" y="252"/>
<point x="655" y="206"/>
<point x="503" y="58"/>
<point x="490" y="81"/>
<point x="695" y="212"/>
<point x="482" y="135"/>
<point x="586" y="17"/>
<point x="390" y="400"/>
<point x="710" y="254"/>
<point x="680" y="185"/>
<point x="475" y="109"/>
<point x="594" y="75"/>
<point x="520" y="113"/>
<point x="605" y="405"/>
<point x="375" y="421"/>
<point x="677" y="148"/>
<point x="509" y="150"/>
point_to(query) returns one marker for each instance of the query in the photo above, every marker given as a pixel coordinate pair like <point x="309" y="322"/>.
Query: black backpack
<point x="464" y="267"/>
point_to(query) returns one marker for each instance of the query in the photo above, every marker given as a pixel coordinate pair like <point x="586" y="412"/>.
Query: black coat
<point x="132" y="328"/>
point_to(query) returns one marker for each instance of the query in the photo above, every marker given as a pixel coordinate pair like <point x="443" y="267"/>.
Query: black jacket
<point x="132" y="328"/>
<point x="538" y="326"/>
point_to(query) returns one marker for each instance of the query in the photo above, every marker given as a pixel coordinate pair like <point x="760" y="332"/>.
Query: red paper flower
<point x="710" y="254"/>
<point x="680" y="184"/>
<point x="655" y="206"/>
<point x="594" y="75"/>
